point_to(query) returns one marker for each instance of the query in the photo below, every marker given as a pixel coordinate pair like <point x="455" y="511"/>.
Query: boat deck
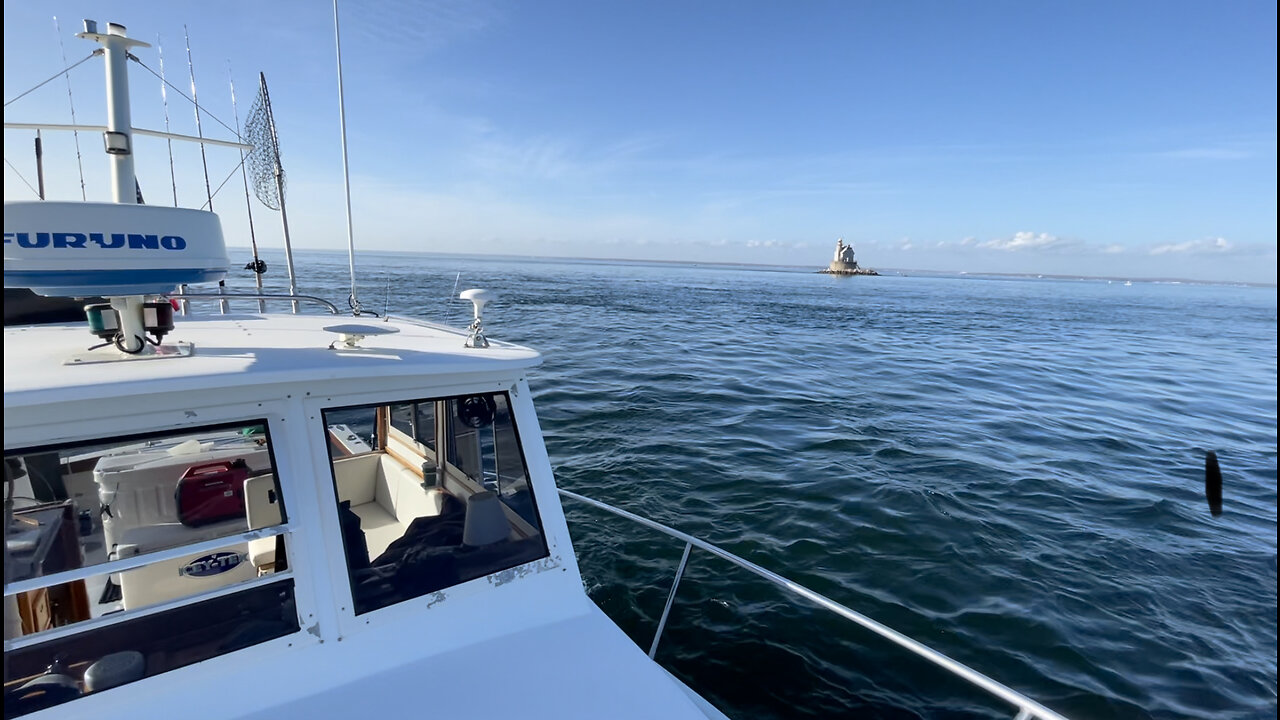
<point x="240" y="350"/>
<point x="578" y="667"/>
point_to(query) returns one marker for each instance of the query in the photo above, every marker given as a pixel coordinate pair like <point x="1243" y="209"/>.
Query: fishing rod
<point x="195" y="100"/>
<point x="164" y="99"/>
<point x="57" y="28"/>
<point x="257" y="266"/>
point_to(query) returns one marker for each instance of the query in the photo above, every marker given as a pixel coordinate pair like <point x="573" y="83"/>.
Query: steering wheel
<point x="477" y="411"/>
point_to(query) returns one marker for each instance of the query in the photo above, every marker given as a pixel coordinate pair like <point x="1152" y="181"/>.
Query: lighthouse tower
<point x="843" y="261"/>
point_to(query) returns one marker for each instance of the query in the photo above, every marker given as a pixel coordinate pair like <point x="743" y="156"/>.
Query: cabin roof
<point x="242" y="351"/>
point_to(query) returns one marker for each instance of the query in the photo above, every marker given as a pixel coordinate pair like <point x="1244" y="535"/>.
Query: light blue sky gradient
<point x="1129" y="139"/>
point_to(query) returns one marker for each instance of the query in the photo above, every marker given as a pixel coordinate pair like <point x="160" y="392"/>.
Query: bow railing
<point x="1026" y="708"/>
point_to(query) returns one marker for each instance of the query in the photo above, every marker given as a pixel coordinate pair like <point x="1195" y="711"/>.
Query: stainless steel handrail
<point x="333" y="309"/>
<point x="1027" y="708"/>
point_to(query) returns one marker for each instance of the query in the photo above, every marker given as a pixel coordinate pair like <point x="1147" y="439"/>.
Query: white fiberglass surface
<point x="240" y="350"/>
<point x="583" y="667"/>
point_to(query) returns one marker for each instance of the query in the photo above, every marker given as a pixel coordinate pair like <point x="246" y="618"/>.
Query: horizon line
<point x="900" y="272"/>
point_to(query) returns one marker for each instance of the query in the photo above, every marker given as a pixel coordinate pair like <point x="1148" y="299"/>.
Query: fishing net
<point x="264" y="160"/>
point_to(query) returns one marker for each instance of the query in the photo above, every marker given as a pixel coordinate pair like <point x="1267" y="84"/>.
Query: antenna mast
<point x="119" y="135"/>
<point x="119" y="145"/>
<point x="346" y="173"/>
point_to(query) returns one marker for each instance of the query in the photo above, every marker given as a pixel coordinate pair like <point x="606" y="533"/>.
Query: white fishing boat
<point x="248" y="514"/>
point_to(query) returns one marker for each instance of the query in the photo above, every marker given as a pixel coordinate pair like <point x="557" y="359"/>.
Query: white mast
<point x="119" y="135"/>
<point x="118" y="140"/>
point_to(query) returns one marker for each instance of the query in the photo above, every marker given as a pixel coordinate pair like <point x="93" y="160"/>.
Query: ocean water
<point x="1008" y="470"/>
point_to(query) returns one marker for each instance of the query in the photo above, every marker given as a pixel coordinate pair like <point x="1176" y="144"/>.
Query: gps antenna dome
<point x="475" y="332"/>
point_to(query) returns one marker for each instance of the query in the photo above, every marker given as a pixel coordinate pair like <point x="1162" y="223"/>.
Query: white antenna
<point x="164" y="99"/>
<point x="76" y="134"/>
<point x="346" y="172"/>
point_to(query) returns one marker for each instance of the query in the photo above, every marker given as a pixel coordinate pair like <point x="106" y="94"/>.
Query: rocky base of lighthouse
<point x="843" y="268"/>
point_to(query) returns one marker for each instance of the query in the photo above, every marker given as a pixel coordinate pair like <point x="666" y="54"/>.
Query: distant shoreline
<point x="884" y="272"/>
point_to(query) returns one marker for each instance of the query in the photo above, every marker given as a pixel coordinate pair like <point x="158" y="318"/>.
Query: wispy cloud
<point x="1216" y="148"/>
<point x="1194" y="247"/>
<point x="1027" y="242"/>
<point x="414" y="26"/>
<point x="776" y="244"/>
<point x="1207" y="153"/>
<point x="540" y="158"/>
<point x="498" y="153"/>
<point x="1032" y="241"/>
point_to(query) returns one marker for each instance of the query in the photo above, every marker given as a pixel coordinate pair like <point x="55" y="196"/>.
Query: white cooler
<point x="138" y="489"/>
<point x="182" y="576"/>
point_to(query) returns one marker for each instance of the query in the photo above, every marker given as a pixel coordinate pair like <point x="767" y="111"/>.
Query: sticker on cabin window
<point x="212" y="564"/>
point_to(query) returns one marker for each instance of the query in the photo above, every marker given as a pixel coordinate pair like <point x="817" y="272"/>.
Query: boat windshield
<point x="128" y="557"/>
<point x="442" y="497"/>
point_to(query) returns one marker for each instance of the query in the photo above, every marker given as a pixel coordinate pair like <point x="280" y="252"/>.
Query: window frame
<point x="342" y="585"/>
<point x="286" y="528"/>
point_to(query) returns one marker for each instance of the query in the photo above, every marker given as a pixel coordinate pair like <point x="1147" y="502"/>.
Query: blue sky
<point x="1131" y="139"/>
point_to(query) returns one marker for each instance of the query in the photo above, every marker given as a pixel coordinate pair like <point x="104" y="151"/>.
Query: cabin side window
<point x="443" y="498"/>
<point x="127" y="558"/>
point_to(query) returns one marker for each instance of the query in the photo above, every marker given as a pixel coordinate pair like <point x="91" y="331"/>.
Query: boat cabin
<point x="285" y="516"/>
<point x="239" y="514"/>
